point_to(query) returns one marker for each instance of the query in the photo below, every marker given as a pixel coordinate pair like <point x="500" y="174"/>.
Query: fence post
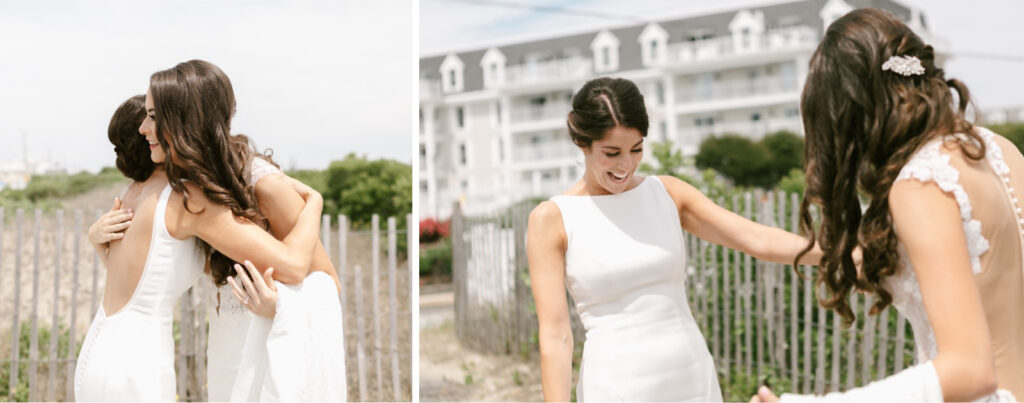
<point x="393" y="298"/>
<point x="376" y="305"/>
<point x="360" y="334"/>
<point x="51" y="381"/>
<point x="851" y="346"/>
<point x="412" y="262"/>
<point x="343" y="295"/>
<point x="883" y="343"/>
<point x="72" y="339"/>
<point x="868" y="342"/>
<point x="33" y="349"/>
<point x="15" y="325"/>
<point x="901" y="328"/>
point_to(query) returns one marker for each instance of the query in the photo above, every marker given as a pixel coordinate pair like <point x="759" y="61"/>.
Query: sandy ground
<point x="62" y="288"/>
<point x="450" y="372"/>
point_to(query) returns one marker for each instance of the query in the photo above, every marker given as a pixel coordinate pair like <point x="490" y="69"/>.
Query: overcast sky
<point x="314" y="80"/>
<point x="990" y="26"/>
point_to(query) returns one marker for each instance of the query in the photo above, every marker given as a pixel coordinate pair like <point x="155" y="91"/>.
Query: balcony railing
<point x="773" y="40"/>
<point x="736" y="89"/>
<point x="531" y="113"/>
<point x="548" y="71"/>
<point x="545" y="151"/>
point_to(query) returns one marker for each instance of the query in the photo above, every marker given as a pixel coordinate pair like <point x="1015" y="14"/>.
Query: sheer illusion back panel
<point x="1001" y="280"/>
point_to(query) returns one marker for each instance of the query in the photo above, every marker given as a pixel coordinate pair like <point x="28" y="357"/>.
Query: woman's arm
<point x="240" y="239"/>
<point x="545" y="252"/>
<point x="705" y="219"/>
<point x="282" y="205"/>
<point x="927" y="222"/>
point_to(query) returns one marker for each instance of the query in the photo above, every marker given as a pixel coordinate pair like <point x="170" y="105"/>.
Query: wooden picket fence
<point x="760" y="319"/>
<point x="377" y="320"/>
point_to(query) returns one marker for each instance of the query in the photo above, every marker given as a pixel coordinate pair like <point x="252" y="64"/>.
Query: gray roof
<point x="803" y="12"/>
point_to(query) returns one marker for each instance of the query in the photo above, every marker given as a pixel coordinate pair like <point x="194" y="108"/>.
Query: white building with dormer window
<point x="492" y="120"/>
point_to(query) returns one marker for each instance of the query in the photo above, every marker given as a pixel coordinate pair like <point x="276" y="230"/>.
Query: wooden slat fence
<point x="760" y="319"/>
<point x="59" y="280"/>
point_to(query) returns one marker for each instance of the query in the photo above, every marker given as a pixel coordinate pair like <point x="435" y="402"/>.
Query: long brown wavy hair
<point x="194" y="105"/>
<point x="862" y="125"/>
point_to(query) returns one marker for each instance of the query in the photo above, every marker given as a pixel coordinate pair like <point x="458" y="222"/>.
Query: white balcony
<point x="544" y="188"/>
<point x="531" y="113"/>
<point x="774" y="40"/>
<point x="736" y="89"/>
<point x="548" y="71"/>
<point x="548" y="151"/>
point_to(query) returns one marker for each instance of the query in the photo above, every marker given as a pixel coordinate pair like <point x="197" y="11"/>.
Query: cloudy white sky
<point x="314" y="80"/>
<point x="990" y="26"/>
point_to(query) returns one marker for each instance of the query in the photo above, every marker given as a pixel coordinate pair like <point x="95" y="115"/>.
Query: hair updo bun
<point x="605" y="103"/>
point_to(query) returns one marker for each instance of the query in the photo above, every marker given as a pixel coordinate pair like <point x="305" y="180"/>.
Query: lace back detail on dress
<point x="259" y="168"/>
<point x="930" y="165"/>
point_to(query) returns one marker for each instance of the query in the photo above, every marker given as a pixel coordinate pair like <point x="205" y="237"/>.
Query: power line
<point x="552" y="9"/>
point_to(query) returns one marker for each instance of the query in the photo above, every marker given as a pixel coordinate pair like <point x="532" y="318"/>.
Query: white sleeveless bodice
<point x="229" y="326"/>
<point x="625" y="269"/>
<point x="129" y="355"/>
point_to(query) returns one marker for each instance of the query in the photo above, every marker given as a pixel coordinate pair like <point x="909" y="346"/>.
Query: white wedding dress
<point x="129" y="355"/>
<point x="625" y="269"/>
<point x="998" y="267"/>
<point x="299" y="356"/>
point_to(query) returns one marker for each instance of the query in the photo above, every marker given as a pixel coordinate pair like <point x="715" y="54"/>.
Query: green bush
<point x="748" y="163"/>
<point x="43" y="329"/>
<point x="1013" y="132"/>
<point x="743" y="161"/>
<point x="436" y="259"/>
<point x="786" y="153"/>
<point x="795" y="182"/>
<point x="359" y="188"/>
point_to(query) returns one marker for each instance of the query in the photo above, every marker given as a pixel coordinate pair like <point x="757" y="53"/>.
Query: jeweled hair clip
<point x="904" y="65"/>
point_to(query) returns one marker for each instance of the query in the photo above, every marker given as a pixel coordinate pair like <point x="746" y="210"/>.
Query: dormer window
<point x="606" y="52"/>
<point x="452" y="74"/>
<point x="746" y="28"/>
<point x="493" y="65"/>
<point x="653" y="43"/>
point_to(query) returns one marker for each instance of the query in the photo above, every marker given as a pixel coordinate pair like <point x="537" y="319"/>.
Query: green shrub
<point x="359" y="188"/>
<point x="743" y="161"/>
<point x="436" y="260"/>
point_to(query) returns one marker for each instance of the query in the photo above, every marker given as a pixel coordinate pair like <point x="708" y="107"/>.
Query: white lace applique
<point x="931" y="165"/>
<point x="259" y="168"/>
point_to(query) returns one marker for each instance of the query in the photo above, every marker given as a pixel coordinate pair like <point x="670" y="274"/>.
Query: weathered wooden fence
<point x="41" y="333"/>
<point x="760" y="319"/>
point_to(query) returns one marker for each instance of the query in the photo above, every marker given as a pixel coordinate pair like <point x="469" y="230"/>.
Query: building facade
<point x="492" y="120"/>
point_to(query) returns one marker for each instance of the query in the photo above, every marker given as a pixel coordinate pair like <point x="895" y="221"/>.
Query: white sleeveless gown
<point x="129" y="355"/>
<point x="298" y="356"/>
<point x="624" y="267"/>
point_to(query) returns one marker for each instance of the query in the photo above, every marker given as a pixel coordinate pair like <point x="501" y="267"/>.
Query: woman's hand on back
<point x="110" y="226"/>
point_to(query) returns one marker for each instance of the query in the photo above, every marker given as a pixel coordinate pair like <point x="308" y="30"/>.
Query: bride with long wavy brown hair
<point x="152" y="257"/>
<point x="194" y="104"/>
<point x="942" y="232"/>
